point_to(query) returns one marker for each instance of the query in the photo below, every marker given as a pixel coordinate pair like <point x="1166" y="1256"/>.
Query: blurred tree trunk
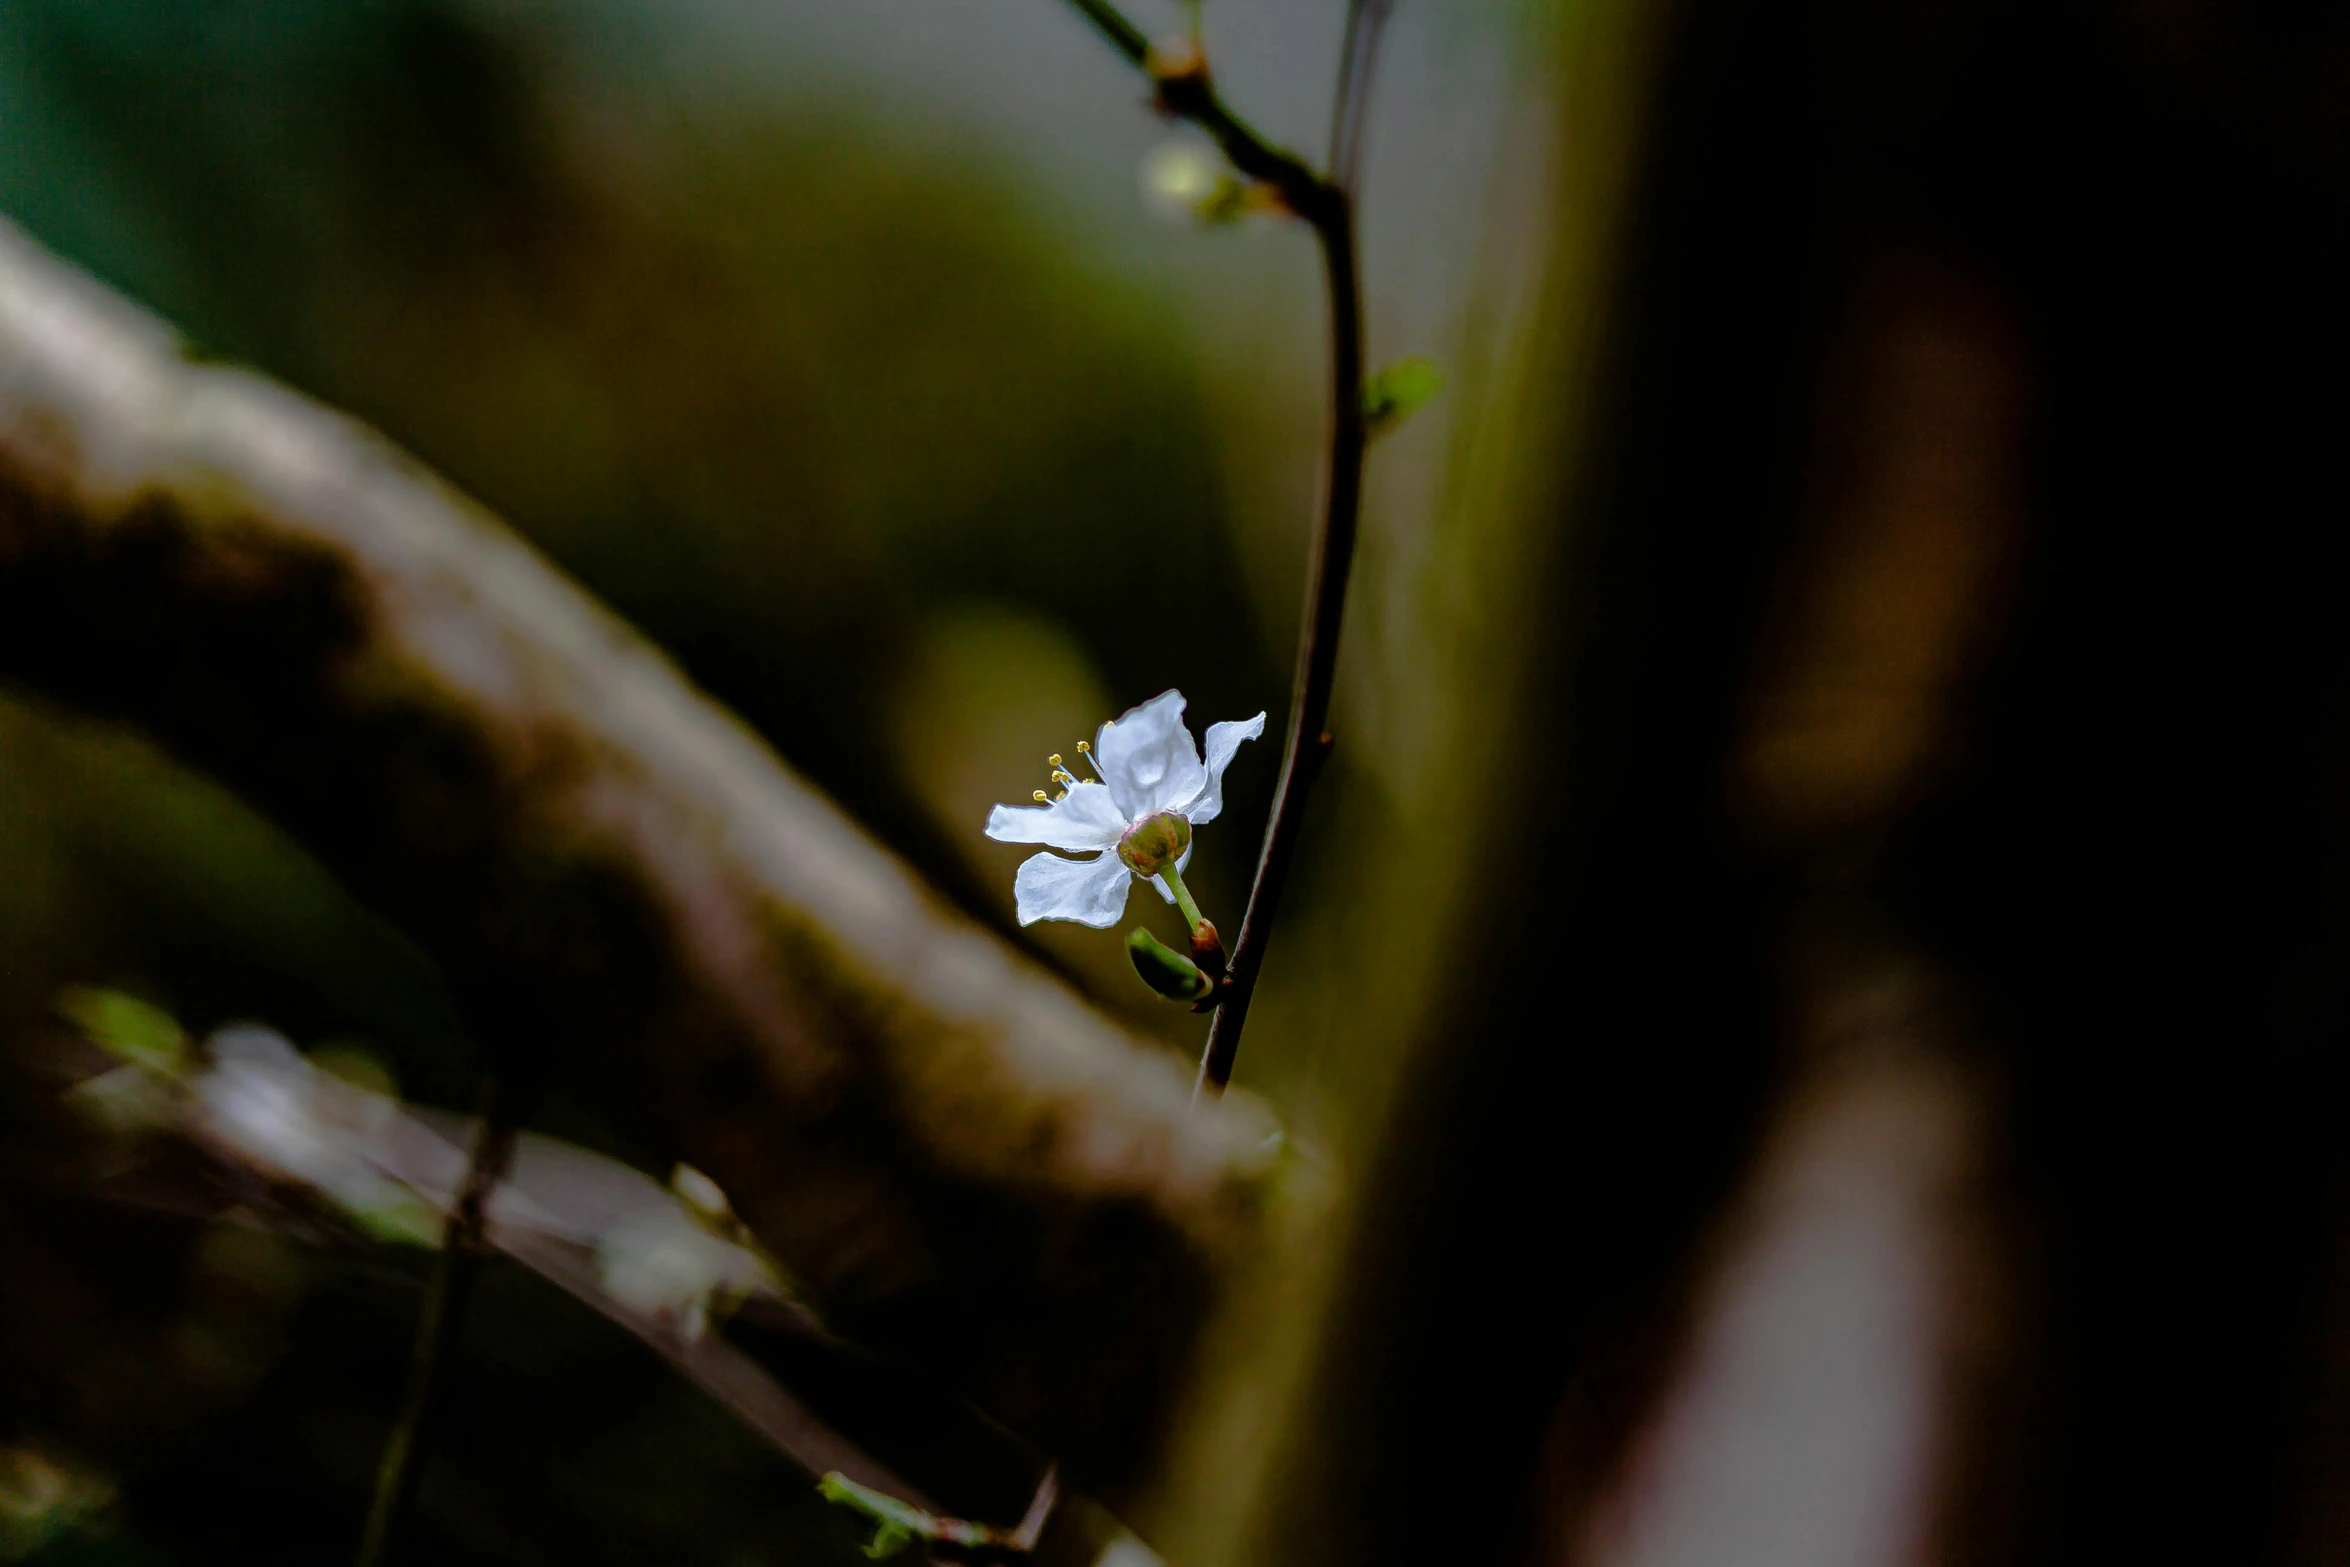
<point x="1940" y="582"/>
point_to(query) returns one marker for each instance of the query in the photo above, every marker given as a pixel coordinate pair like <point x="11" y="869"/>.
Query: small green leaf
<point x="888" y="1540"/>
<point x="132" y="1029"/>
<point x="896" y="1524"/>
<point x="1164" y="969"/>
<point x="1396" y="393"/>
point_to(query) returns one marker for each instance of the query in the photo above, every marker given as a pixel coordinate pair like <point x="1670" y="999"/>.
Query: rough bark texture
<point x="955" y="1153"/>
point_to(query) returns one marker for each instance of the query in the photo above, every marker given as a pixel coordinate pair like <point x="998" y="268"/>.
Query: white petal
<point x="1148" y="759"/>
<point x="1091" y="892"/>
<point x="1223" y="741"/>
<point x="1084" y="818"/>
<point x="1181" y="865"/>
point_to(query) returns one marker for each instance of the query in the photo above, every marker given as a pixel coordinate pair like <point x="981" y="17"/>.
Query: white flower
<point x="1149" y="770"/>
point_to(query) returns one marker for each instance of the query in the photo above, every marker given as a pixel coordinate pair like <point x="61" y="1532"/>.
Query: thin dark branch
<point x="1123" y="35"/>
<point x="1185" y="90"/>
<point x="1309" y="740"/>
<point x="454" y="1273"/>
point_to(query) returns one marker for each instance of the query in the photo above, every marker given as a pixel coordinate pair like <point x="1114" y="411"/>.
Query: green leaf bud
<point x="1164" y="969"/>
<point x="1394" y="394"/>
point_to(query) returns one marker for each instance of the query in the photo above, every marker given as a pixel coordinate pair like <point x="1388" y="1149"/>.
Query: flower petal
<point x="1181" y="865"/>
<point x="1091" y="892"/>
<point x="1084" y="818"/>
<point x="1148" y="759"/>
<point x="1223" y="741"/>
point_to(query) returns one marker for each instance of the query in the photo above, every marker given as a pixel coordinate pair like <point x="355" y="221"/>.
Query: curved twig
<point x="1326" y="204"/>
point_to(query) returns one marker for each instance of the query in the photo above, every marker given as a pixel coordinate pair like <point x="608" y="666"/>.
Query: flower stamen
<point x="1086" y="751"/>
<point x="1060" y="776"/>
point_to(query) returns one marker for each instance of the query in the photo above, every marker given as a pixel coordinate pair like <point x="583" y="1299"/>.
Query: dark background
<point x="1881" y="637"/>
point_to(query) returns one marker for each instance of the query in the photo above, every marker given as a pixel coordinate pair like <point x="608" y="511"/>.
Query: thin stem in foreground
<point x="1327" y="206"/>
<point x="463" y="1246"/>
<point x="1358" y="57"/>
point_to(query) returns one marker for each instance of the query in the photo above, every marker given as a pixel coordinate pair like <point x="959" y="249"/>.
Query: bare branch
<point x="1186" y="91"/>
<point x="604" y="862"/>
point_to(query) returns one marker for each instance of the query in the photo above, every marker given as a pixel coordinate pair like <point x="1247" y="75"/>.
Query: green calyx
<point x="1164" y="969"/>
<point x="1155" y="843"/>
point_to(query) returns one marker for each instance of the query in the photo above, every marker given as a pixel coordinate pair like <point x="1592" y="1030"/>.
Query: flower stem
<point x="1192" y="918"/>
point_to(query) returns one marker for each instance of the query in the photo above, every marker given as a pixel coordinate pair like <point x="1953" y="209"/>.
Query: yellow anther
<point x="1064" y="778"/>
<point x="1053" y="760"/>
<point x="1084" y="749"/>
<point x="1041" y="797"/>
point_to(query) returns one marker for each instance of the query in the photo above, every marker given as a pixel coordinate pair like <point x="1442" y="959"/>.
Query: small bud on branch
<point x="1164" y="969"/>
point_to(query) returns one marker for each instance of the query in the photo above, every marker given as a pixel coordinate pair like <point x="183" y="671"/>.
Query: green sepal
<point x="1394" y="394"/>
<point x="1164" y="969"/>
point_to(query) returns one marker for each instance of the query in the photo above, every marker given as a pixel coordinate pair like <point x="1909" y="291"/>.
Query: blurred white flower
<point x="263" y="1099"/>
<point x="1154" y="788"/>
<point x="1179" y="177"/>
<point x="703" y="1195"/>
<point x="661" y="1267"/>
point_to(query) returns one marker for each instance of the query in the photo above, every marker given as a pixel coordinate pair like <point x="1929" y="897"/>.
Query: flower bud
<point x="1154" y="843"/>
<point x="1164" y="969"/>
<point x="1180" y="176"/>
<point x="1176" y="58"/>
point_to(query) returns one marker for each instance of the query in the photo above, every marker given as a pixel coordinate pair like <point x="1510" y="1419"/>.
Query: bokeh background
<point x="1807" y="1028"/>
<point x="850" y="354"/>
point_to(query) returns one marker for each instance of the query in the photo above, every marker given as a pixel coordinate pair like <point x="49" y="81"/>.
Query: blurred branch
<point x="606" y="864"/>
<point x="1358" y="58"/>
<point x="1327" y="206"/>
<point x="278" y="1142"/>
<point x="258" y="1115"/>
<point x="1123" y="35"/>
